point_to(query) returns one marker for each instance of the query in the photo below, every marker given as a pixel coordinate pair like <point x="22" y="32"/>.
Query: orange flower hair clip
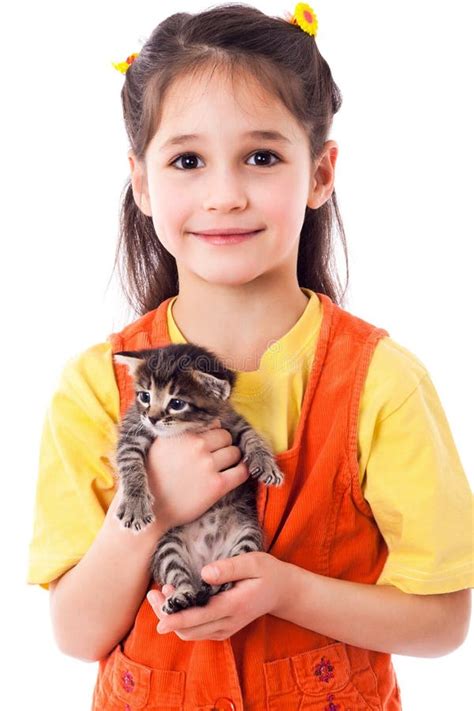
<point x="305" y="17"/>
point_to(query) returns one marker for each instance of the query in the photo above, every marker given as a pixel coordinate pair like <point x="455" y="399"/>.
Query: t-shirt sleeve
<point x="75" y="481"/>
<point x="420" y="497"/>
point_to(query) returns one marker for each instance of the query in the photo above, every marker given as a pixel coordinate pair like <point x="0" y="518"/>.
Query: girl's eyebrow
<point x="269" y="135"/>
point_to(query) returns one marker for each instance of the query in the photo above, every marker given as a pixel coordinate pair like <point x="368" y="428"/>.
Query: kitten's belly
<point x="212" y="535"/>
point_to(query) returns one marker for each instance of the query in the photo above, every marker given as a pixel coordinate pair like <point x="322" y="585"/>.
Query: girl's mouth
<point x="226" y="239"/>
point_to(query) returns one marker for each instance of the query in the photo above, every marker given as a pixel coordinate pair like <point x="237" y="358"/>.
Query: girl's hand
<point x="204" y="466"/>
<point x="261" y="588"/>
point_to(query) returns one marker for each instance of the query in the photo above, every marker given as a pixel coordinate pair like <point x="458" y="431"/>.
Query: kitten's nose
<point x="153" y="420"/>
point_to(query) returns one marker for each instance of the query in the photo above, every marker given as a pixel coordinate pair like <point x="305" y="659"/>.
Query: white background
<point x="404" y="185"/>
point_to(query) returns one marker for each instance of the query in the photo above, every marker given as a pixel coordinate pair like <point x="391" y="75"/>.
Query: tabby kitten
<point x="183" y="387"/>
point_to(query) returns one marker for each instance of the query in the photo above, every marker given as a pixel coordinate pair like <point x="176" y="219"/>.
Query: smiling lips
<point x="225" y="237"/>
<point x="229" y="231"/>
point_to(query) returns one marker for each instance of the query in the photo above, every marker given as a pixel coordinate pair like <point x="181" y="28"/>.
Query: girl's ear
<point x="322" y="178"/>
<point x="139" y="183"/>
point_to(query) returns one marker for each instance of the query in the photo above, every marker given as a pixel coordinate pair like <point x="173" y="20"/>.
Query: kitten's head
<point x="178" y="387"/>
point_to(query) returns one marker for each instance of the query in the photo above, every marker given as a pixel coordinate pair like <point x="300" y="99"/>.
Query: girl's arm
<point x="94" y="604"/>
<point x="378" y="617"/>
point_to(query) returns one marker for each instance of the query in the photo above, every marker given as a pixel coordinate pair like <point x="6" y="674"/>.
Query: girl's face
<point x="229" y="178"/>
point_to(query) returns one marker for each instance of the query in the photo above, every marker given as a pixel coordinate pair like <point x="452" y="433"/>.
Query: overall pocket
<point x="127" y="685"/>
<point x="320" y="680"/>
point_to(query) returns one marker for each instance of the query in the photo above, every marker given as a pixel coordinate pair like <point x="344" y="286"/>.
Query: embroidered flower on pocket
<point x="332" y="707"/>
<point x="127" y="681"/>
<point x="324" y="670"/>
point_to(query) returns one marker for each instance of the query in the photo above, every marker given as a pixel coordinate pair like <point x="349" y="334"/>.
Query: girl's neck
<point x="238" y="323"/>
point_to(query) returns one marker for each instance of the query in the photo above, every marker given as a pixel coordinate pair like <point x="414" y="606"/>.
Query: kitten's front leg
<point x="259" y="458"/>
<point x="136" y="506"/>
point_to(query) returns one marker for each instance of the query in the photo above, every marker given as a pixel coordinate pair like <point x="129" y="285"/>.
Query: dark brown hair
<point x="242" y="40"/>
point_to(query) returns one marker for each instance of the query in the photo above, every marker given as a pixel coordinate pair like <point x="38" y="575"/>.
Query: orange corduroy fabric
<point x="317" y="520"/>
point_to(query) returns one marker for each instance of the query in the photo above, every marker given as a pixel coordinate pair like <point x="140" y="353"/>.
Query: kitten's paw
<point x="203" y="594"/>
<point x="189" y="598"/>
<point x="136" y="512"/>
<point x="206" y="591"/>
<point x="263" y="467"/>
<point x="226" y="586"/>
<point x="179" y="601"/>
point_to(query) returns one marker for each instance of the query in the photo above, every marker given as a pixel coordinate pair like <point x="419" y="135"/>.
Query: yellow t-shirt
<point x="409" y="468"/>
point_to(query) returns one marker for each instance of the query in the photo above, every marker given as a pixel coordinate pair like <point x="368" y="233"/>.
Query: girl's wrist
<point x="289" y="577"/>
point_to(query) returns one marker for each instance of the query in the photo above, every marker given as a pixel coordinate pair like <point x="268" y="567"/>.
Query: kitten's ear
<point x="216" y="387"/>
<point x="130" y="359"/>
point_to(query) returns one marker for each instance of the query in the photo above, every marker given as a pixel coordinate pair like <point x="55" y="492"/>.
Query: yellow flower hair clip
<point x="305" y="17"/>
<point x="124" y="66"/>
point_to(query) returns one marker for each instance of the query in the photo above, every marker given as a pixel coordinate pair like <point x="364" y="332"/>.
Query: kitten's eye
<point x="176" y="404"/>
<point x="144" y="397"/>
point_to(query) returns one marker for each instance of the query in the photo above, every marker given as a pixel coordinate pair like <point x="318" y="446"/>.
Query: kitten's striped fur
<point x="196" y="378"/>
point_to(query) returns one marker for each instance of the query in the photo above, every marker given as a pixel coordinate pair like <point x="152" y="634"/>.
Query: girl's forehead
<point x="191" y="101"/>
<point x="244" y="93"/>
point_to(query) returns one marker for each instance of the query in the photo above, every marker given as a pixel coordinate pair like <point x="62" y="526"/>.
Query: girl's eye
<point x="144" y="397"/>
<point x="176" y="404"/>
<point x="189" y="156"/>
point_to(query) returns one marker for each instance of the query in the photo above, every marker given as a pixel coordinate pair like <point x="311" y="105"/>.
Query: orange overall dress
<point x="317" y="520"/>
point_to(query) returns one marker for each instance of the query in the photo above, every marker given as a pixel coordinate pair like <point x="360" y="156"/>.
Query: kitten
<point x="183" y="387"/>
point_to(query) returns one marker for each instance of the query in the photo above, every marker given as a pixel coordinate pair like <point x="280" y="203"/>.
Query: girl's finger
<point x="155" y="598"/>
<point x="204" y="630"/>
<point x="158" y="597"/>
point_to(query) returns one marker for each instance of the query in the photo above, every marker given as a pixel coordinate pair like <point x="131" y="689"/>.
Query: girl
<point x="228" y="113"/>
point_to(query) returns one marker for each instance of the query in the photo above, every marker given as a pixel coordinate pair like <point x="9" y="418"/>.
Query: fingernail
<point x="210" y="571"/>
